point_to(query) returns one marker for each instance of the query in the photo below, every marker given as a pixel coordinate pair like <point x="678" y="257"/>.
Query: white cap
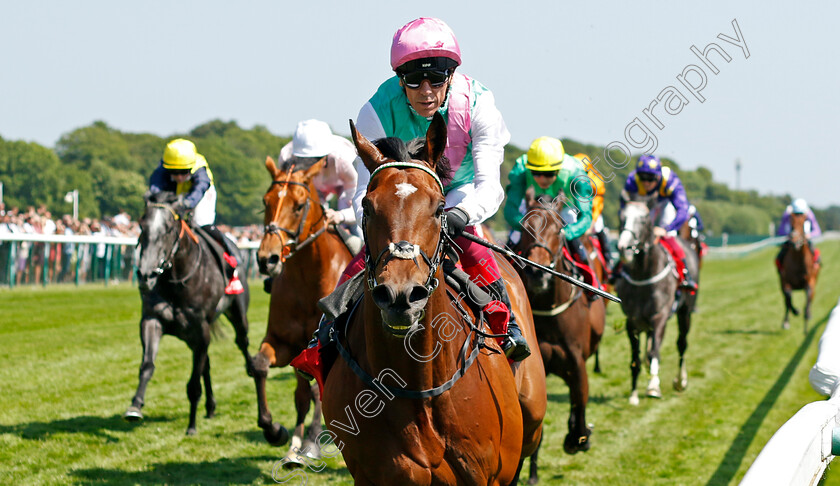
<point x="799" y="206"/>
<point x="313" y="138"/>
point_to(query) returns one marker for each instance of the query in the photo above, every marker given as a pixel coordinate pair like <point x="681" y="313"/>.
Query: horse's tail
<point x="217" y="331"/>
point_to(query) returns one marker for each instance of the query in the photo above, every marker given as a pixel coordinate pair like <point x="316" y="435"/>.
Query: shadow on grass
<point x="243" y="470"/>
<point x="735" y="455"/>
<point x="85" y="424"/>
<point x="564" y="398"/>
<point x="752" y="331"/>
<point x="223" y="471"/>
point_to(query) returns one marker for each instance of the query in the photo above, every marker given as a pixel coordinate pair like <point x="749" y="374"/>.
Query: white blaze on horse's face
<point x="633" y="215"/>
<point x="404" y="190"/>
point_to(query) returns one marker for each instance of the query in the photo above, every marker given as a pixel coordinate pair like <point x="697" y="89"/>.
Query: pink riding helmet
<point x="424" y="37"/>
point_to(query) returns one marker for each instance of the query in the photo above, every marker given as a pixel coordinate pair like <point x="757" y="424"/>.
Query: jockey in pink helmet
<point x="424" y="57"/>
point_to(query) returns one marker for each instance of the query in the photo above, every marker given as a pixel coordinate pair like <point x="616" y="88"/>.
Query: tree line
<point x="110" y="169"/>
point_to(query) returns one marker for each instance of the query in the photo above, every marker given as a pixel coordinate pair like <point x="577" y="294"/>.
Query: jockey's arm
<point x="347" y="174"/>
<point x="815" y="231"/>
<point x="200" y="184"/>
<point x="513" y="199"/>
<point x="680" y="202"/>
<point x="368" y="124"/>
<point x="489" y="137"/>
<point x="159" y="180"/>
<point x="579" y="195"/>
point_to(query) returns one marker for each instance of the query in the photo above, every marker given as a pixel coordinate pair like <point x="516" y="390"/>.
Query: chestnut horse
<point x="798" y="269"/>
<point x="305" y="258"/>
<point x="647" y="286"/>
<point x="417" y="395"/>
<point x="569" y="326"/>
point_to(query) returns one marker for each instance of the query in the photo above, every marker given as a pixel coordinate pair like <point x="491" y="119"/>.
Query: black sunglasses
<point x="413" y="79"/>
<point x="647" y="177"/>
<point x="547" y="174"/>
<point x="179" y="171"/>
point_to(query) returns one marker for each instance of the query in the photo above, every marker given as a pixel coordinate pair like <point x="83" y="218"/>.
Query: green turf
<point x="69" y="359"/>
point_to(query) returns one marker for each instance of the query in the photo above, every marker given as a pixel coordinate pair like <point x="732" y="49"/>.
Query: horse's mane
<point x="394" y="148"/>
<point x="160" y="197"/>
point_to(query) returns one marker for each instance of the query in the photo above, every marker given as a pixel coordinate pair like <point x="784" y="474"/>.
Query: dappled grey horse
<point x="647" y="286"/>
<point x="182" y="289"/>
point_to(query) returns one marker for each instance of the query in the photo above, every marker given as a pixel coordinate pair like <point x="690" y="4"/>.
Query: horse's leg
<point x="809" y="295"/>
<point x="194" y="385"/>
<point x="237" y="314"/>
<point x="597" y="368"/>
<point x="210" y="399"/>
<point x="150" y="334"/>
<point x="275" y="434"/>
<point x="635" y="361"/>
<point x="303" y="397"/>
<point x="653" y="389"/>
<point x="684" y="322"/>
<point x="578" y="437"/>
<point x="311" y="447"/>
<point x="533" y="478"/>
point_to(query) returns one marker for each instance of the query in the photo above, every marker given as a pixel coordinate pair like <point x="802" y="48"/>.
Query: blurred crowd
<point x="24" y="262"/>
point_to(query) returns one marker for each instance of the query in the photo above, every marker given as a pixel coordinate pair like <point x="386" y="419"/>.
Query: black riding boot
<point x="234" y="286"/>
<point x="515" y="346"/>
<point x="687" y="281"/>
<point x="579" y="251"/>
<point x="782" y="252"/>
<point x="604" y="239"/>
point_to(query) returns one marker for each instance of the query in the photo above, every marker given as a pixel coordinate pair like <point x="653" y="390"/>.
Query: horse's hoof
<point x="654" y="392"/>
<point x="293" y="461"/>
<point x="786" y="325"/>
<point x="310" y="449"/>
<point x="276" y="435"/>
<point x="133" y="414"/>
<point x="634" y="398"/>
<point x="573" y="445"/>
<point x="191" y="431"/>
<point x="680" y="384"/>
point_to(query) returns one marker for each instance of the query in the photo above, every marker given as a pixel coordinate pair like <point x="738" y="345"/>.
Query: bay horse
<point x="569" y="326"/>
<point x="798" y="270"/>
<point x="182" y="289"/>
<point x="647" y="285"/>
<point x="436" y="403"/>
<point x="305" y="257"/>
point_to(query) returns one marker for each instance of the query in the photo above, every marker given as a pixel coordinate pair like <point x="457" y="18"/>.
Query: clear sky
<point x="582" y="70"/>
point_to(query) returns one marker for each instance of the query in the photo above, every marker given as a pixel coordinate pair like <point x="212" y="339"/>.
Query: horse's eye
<point x="439" y="211"/>
<point x="367" y="210"/>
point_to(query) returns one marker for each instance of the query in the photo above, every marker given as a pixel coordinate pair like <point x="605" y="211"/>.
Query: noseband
<point x="292" y="245"/>
<point x="405" y="250"/>
<point x="166" y="262"/>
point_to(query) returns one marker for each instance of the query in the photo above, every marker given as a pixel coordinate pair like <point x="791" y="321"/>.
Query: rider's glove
<point x="456" y="220"/>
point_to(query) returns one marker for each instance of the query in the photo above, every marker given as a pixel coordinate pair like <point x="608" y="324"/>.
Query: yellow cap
<point x="180" y="154"/>
<point x="545" y="154"/>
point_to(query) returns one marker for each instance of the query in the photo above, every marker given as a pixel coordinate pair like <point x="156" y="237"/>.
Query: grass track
<point x="69" y="358"/>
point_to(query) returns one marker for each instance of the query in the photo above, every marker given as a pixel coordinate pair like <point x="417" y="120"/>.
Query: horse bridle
<point x="292" y="245"/>
<point x="406" y="250"/>
<point x="166" y="262"/>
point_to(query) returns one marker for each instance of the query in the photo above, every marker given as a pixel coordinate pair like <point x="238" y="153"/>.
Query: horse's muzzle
<point x="401" y="308"/>
<point x="270" y="266"/>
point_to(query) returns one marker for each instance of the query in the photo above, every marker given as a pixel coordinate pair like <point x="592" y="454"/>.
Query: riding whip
<point x="557" y="274"/>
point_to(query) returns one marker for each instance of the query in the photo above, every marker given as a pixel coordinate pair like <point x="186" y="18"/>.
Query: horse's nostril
<point x="383" y="296"/>
<point x="418" y="294"/>
<point x="273" y="259"/>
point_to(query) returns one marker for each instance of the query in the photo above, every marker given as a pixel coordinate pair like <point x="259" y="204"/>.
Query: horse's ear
<point x="370" y="155"/>
<point x="435" y="140"/>
<point x="530" y="195"/>
<point x="271" y="167"/>
<point x="316" y="167"/>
